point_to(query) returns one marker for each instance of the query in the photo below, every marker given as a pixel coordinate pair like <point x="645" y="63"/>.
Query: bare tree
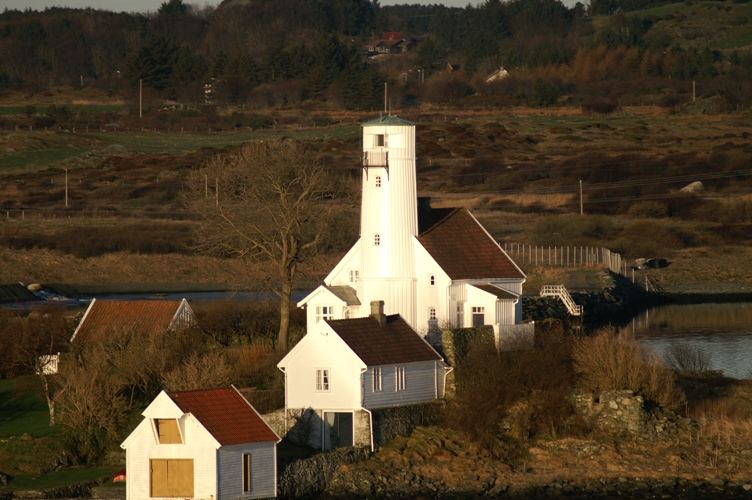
<point x="33" y="345"/>
<point x="269" y="203"/>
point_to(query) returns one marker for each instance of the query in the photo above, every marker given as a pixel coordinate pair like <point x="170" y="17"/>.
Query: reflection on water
<point x="723" y="332"/>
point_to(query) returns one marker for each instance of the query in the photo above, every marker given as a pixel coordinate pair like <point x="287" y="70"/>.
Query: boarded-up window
<point x="167" y="430"/>
<point x="171" y="478"/>
<point x="247" y="470"/>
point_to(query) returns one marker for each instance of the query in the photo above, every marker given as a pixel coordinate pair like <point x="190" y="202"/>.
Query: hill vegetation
<point x="274" y="53"/>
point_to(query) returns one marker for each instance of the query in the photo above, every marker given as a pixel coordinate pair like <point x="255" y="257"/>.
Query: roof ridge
<point x="442" y="220"/>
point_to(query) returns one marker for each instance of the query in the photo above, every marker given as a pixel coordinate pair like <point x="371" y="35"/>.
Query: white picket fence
<point x="566" y="256"/>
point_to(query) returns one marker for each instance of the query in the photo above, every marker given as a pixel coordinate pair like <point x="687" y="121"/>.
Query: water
<point x="722" y="332"/>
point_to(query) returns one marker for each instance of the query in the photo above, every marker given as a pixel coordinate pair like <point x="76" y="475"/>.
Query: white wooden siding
<point x="420" y="385"/>
<point x="199" y="445"/>
<point x="505" y="312"/>
<point x="263" y="470"/>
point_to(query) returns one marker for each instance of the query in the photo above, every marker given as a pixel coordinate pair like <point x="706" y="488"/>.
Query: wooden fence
<point x="566" y="256"/>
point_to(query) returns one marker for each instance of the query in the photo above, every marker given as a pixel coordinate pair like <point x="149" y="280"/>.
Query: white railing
<point x="561" y="292"/>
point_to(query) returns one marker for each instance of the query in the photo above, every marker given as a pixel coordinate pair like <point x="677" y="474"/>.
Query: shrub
<point x="652" y="209"/>
<point x="199" y="372"/>
<point x="600" y="105"/>
<point x="611" y="361"/>
<point x="687" y="359"/>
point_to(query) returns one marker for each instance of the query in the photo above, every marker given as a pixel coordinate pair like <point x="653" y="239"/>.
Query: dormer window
<point x="168" y="431"/>
<point x="378" y="181"/>
<point x="376" y="239"/>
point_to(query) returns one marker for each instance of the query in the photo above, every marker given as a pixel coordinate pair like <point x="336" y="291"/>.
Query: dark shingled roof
<point x="393" y="343"/>
<point x="345" y="293"/>
<point x="387" y="120"/>
<point x="495" y="290"/>
<point x="464" y="250"/>
<point x="226" y="415"/>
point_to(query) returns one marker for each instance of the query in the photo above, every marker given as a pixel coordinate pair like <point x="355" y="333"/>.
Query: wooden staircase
<point x="561" y="292"/>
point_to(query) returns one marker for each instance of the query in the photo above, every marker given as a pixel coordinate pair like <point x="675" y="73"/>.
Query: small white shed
<point x="201" y="444"/>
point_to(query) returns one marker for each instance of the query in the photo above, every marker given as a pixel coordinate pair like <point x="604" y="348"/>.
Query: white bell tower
<point x="389" y="216"/>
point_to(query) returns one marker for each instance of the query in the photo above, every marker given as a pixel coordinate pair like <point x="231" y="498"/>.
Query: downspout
<point x="447" y="371"/>
<point x="362" y="407"/>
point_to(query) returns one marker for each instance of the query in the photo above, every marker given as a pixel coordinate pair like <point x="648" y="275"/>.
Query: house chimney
<point x="377" y="311"/>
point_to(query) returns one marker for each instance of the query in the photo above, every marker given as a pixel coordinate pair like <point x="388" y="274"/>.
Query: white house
<point x="433" y="267"/>
<point x="147" y="317"/>
<point x="343" y="369"/>
<point x="201" y="444"/>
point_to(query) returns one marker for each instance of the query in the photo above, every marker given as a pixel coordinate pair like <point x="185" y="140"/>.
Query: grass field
<point x="65" y="477"/>
<point x="22" y="408"/>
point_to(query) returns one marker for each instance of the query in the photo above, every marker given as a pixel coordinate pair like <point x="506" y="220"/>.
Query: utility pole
<point x="694" y="90"/>
<point x="582" y="211"/>
<point x="66" y="188"/>
<point x="140" y="98"/>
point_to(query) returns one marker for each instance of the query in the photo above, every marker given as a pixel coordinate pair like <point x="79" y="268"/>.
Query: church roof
<point x="387" y="120"/>
<point x="464" y="250"/>
<point x="394" y="342"/>
<point x="346" y="293"/>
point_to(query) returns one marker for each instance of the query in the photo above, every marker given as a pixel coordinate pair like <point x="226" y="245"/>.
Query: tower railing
<point x="376" y="158"/>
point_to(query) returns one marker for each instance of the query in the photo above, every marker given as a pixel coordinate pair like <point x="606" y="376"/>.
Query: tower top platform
<point x="387" y="120"/>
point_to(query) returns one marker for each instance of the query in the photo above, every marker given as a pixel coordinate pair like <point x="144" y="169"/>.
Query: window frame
<point x="376" y="239"/>
<point x="478" y="310"/>
<point x="377" y="380"/>
<point x="377" y="181"/>
<point x="460" y="314"/>
<point x="247" y="467"/>
<point x="156" y="421"/>
<point x="432" y="280"/>
<point x="323" y="380"/>
<point x="324" y="313"/>
<point x="400" y="379"/>
<point x="432" y="314"/>
<point x="354" y="275"/>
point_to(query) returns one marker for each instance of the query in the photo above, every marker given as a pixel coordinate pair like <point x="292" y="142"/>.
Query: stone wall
<point x="615" y="412"/>
<point x="304" y="426"/>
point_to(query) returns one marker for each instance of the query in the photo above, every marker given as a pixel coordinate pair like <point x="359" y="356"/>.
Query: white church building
<point x="433" y="267"/>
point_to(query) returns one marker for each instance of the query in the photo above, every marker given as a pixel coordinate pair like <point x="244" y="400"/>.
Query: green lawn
<point x="22" y="408"/>
<point x="63" y="477"/>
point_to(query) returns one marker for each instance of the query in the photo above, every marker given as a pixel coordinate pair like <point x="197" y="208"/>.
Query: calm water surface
<point x="723" y="332"/>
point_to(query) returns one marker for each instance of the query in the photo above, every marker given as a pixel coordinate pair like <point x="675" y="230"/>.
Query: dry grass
<point x="616" y="361"/>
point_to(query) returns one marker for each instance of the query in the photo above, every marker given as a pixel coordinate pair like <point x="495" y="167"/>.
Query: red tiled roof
<point x="393" y="343"/>
<point x="226" y="415"/>
<point x="148" y="317"/>
<point x="464" y="250"/>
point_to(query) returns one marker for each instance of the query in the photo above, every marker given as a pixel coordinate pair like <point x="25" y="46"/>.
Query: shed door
<point x="171" y="477"/>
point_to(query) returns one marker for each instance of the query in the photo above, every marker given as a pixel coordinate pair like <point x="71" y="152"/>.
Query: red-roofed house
<point x="148" y="317"/>
<point x="201" y="444"/>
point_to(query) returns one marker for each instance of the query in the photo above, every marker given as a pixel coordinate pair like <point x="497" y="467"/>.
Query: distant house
<point x="392" y="42"/>
<point x="498" y="75"/>
<point x="343" y="369"/>
<point x="148" y="317"/>
<point x="201" y="444"/>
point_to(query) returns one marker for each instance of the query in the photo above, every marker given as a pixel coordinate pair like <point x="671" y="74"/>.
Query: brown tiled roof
<point x="495" y="290"/>
<point x="393" y="343"/>
<point x="464" y="250"/>
<point x="107" y="317"/>
<point x="226" y="415"/>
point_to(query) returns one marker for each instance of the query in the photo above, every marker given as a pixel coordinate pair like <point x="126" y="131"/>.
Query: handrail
<point x="561" y="292"/>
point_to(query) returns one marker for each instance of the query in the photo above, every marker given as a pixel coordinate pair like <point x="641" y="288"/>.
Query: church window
<point x="479" y="316"/>
<point x="432" y="279"/>
<point x="354" y="275"/>
<point x="324" y="312"/>
<point x="378" y="181"/>
<point x="376" y="239"/>
<point x="399" y="375"/>
<point x="322" y="380"/>
<point x="376" y="379"/>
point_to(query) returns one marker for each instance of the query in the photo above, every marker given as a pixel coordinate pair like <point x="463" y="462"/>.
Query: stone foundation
<point x="616" y="412"/>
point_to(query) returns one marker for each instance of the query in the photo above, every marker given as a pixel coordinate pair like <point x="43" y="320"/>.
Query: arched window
<point x="376" y="239"/>
<point x="378" y="181"/>
<point x="432" y="279"/>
